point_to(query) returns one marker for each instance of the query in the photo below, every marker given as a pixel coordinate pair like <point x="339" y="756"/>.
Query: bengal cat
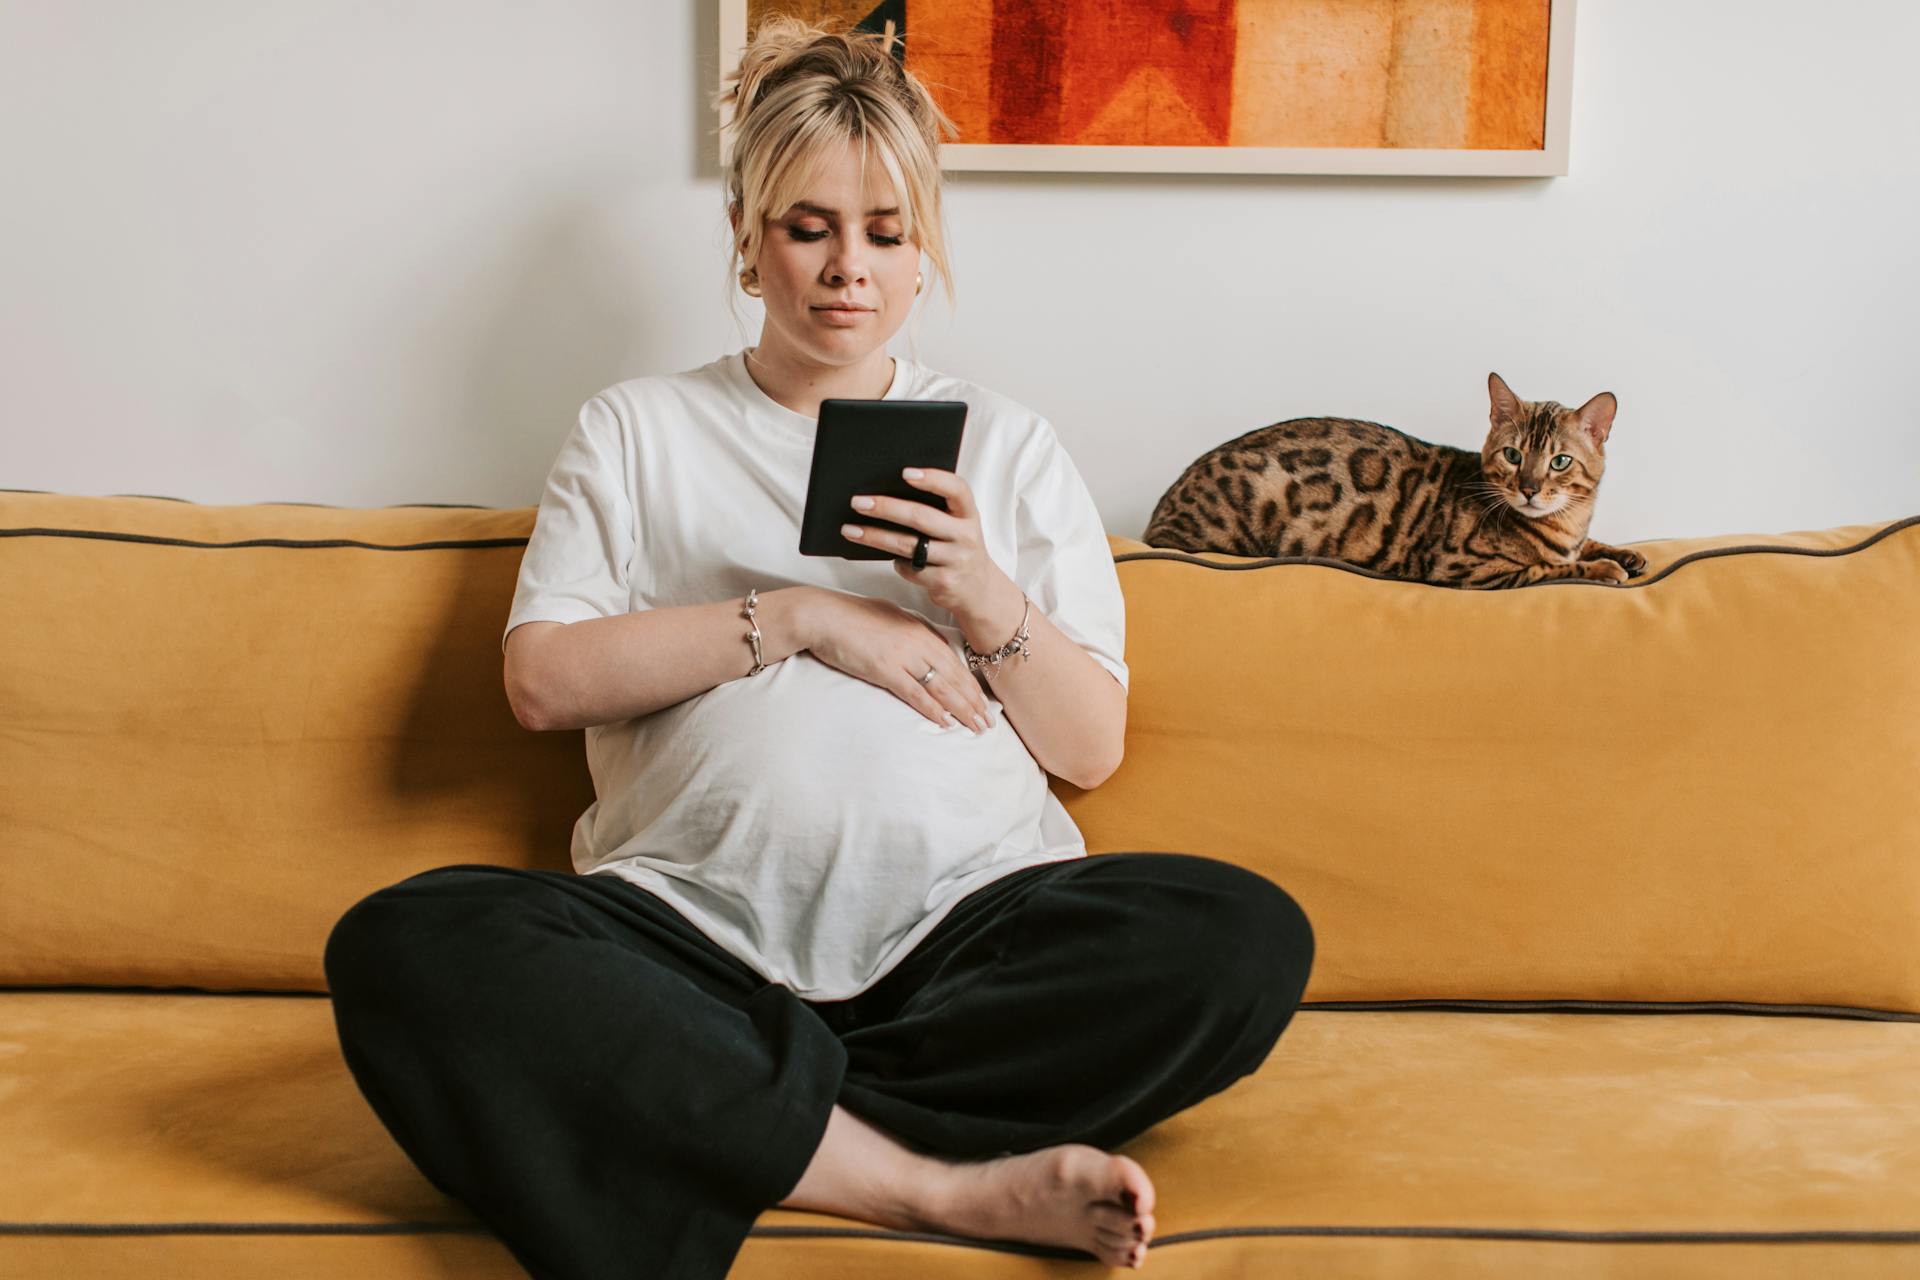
<point x="1514" y="513"/>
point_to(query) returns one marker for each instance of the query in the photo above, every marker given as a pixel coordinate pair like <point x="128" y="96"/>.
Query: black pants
<point x="614" y="1095"/>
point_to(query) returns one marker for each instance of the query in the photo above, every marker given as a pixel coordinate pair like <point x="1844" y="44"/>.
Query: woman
<point x="830" y="942"/>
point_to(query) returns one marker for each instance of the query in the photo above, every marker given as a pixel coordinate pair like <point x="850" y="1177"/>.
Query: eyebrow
<point x="808" y="206"/>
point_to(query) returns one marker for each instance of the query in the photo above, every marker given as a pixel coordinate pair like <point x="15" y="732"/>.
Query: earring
<point x="750" y="282"/>
<point x="917" y="282"/>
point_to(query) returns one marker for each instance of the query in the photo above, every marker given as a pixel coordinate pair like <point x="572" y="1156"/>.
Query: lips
<point x="843" y="317"/>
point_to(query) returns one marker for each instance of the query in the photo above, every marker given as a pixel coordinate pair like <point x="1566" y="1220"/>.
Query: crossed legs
<point x="612" y="1093"/>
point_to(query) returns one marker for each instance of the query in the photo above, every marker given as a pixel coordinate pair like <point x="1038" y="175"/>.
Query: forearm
<point x="618" y="668"/>
<point x="1067" y="708"/>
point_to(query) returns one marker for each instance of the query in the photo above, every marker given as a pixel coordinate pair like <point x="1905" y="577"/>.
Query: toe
<point x="1113" y="1246"/>
<point x="1132" y="1187"/>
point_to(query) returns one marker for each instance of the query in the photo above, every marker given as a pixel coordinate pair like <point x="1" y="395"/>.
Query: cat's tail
<point x="1175" y="534"/>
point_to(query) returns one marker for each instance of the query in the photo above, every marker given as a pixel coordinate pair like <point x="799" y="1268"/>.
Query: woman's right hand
<point x="878" y="641"/>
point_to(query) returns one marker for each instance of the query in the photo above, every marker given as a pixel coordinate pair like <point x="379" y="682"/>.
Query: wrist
<point x="996" y="623"/>
<point x="800" y="608"/>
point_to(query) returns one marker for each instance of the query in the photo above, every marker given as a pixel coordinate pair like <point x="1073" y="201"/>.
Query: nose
<point x="846" y="262"/>
<point x="1528" y="490"/>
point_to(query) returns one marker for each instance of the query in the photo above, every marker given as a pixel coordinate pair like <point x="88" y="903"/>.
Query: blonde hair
<point x="803" y="90"/>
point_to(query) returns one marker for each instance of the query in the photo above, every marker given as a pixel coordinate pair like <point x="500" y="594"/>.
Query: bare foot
<point x="1073" y="1195"/>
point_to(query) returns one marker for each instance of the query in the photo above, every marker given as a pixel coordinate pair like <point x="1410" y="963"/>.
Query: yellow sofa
<point x="1615" y="892"/>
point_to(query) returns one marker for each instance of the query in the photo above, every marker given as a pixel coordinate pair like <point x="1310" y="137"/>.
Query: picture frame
<point x="1548" y="159"/>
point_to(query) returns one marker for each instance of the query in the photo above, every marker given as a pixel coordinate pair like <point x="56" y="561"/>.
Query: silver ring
<point x="927" y="678"/>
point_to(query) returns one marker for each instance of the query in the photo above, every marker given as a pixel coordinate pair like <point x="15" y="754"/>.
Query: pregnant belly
<point x="809" y="745"/>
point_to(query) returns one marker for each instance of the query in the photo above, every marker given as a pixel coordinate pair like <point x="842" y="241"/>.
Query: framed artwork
<point x="1462" y="87"/>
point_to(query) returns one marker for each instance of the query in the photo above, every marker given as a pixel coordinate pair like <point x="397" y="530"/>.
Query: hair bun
<point x="783" y="45"/>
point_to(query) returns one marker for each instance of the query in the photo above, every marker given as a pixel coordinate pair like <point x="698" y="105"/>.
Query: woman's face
<point x="837" y="247"/>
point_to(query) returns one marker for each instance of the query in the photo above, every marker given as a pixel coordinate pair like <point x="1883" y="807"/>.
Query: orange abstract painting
<point x="1460" y="74"/>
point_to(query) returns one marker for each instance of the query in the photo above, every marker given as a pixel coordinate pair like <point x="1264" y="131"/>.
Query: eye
<point x="1561" y="461"/>
<point x="1511" y="455"/>
<point x="888" y="241"/>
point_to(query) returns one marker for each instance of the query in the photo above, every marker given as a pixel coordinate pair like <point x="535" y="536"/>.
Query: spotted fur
<point x="1372" y="496"/>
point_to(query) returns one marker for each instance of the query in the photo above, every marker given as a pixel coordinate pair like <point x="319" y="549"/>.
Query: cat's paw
<point x="1634" y="563"/>
<point x="1603" y="571"/>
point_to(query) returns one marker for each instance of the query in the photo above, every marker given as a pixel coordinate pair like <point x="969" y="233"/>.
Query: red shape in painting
<point x="1029" y="55"/>
<point x="1145" y="72"/>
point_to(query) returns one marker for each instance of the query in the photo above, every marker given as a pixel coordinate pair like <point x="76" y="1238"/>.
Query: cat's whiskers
<point x="1483" y="502"/>
<point x="1488" y="499"/>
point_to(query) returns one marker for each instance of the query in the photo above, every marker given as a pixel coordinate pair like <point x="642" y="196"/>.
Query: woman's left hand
<point x="960" y="576"/>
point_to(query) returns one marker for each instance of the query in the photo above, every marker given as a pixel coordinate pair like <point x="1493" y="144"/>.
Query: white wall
<point x="358" y="253"/>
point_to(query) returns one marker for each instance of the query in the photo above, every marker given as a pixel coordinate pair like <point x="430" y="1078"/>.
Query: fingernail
<point x="911" y="473"/>
<point x="862" y="504"/>
<point x="850" y="530"/>
<point x="981" y="721"/>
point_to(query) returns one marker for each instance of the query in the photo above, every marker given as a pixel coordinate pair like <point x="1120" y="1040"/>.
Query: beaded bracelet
<point x="990" y="662"/>
<point x="754" y="635"/>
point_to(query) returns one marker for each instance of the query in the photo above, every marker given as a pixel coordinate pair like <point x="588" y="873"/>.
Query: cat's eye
<point x="1561" y="461"/>
<point x="1511" y="455"/>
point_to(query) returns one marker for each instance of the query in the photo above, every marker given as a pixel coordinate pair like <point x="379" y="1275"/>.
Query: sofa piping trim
<point x="158" y="497"/>
<point x="304" y="544"/>
<point x="1121" y="558"/>
<point x="990" y="1246"/>
<point x="238" y="1228"/>
<point x="1442" y="1004"/>
<point x="142" y="989"/>
<point x="1710" y="553"/>
<point x="1447" y="1233"/>
<point x="1750" y="1007"/>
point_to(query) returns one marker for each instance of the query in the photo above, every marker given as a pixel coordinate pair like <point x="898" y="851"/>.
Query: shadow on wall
<point x="565" y="310"/>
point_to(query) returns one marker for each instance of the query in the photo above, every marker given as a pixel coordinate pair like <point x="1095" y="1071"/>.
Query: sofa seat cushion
<point x="172" y="1135"/>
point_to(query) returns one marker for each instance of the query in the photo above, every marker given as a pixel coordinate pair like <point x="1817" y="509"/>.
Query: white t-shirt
<point x="811" y="824"/>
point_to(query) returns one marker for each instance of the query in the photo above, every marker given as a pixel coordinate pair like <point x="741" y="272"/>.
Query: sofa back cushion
<point x="220" y="726"/>
<point x="1703" y="785"/>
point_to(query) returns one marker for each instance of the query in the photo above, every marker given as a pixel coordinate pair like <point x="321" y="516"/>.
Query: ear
<point x="1506" y="405"/>
<point x="1596" y="417"/>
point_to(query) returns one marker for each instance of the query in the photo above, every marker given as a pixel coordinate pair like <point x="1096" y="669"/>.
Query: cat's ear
<point x="1596" y="417"/>
<point x="1506" y="405"/>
